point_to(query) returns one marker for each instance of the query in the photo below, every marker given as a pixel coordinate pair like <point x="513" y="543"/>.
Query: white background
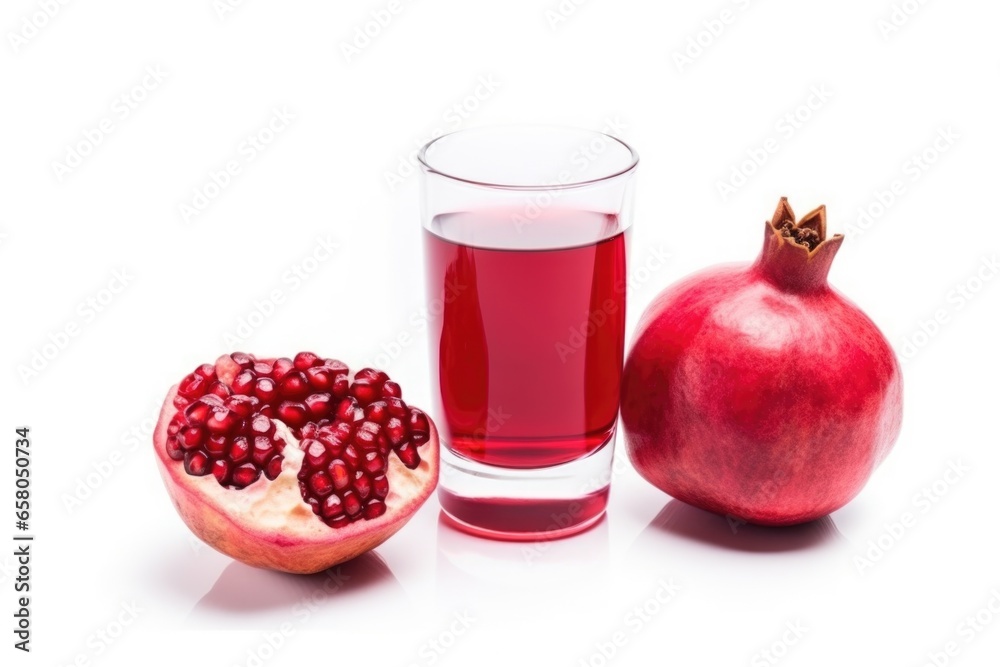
<point x="888" y="91"/>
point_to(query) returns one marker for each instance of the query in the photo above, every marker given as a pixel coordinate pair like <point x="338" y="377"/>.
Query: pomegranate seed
<point x="352" y="506"/>
<point x="244" y="381"/>
<point x="216" y="445"/>
<point x="320" y="377"/>
<point x="362" y="485"/>
<point x="341" y="386"/>
<point x="242" y="406"/>
<point x="391" y="390"/>
<point x="377" y="377"/>
<point x="351" y="457"/>
<point x="222" y="421"/>
<point x="180" y="402"/>
<point x="263" y="449"/>
<point x="245" y="475"/>
<point x="174" y="450"/>
<point x="221" y="471"/>
<point x="305" y="360"/>
<point x="262" y="425"/>
<point x="339" y="522"/>
<point x="196" y="464"/>
<point x="293" y="413"/>
<point x="239" y="450"/>
<point x="338" y="367"/>
<point x="397" y="408"/>
<point x="265" y="390"/>
<point x="381" y="486"/>
<point x="192" y="386"/>
<point x="319" y="405"/>
<point x="377" y="412"/>
<point x="374" y="509"/>
<point x="267" y="411"/>
<point x="338" y="473"/>
<point x="191" y="437"/>
<point x="320" y="484"/>
<point x="294" y="386"/>
<point x="206" y="371"/>
<point x="331" y="507"/>
<point x="348" y="409"/>
<point x="365" y="391"/>
<point x="281" y="368"/>
<point x="273" y="468"/>
<point x="198" y="412"/>
<point x="316" y="455"/>
<point x="407" y="453"/>
<point x="219" y="389"/>
<point x="374" y="463"/>
<point x="242" y="359"/>
<point x="396" y="431"/>
<point x="419" y="427"/>
<point x="262" y="368"/>
<point x="366" y="439"/>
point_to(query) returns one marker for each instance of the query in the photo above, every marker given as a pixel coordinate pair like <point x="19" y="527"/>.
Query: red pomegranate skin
<point x="758" y="392"/>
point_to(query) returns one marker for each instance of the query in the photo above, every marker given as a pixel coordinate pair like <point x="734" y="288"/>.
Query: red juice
<point x="527" y="328"/>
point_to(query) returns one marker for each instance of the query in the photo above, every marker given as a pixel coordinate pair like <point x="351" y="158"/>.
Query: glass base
<point x="520" y="504"/>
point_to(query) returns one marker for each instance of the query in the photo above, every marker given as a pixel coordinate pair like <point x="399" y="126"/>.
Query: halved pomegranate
<point x="289" y="464"/>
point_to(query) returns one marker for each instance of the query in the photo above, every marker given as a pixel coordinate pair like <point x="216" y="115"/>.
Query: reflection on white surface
<point x="245" y="597"/>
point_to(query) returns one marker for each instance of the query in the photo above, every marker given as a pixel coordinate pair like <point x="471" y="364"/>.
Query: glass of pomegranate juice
<point x="525" y="237"/>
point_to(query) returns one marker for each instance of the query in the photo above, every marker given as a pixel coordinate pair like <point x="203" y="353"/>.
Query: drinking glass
<point x="525" y="242"/>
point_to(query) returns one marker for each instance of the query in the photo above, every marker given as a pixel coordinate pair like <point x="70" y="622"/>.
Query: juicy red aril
<point x="245" y="475"/>
<point x="293" y="413"/>
<point x="304" y="360"/>
<point x="243" y="359"/>
<point x="265" y="390"/>
<point x="281" y="368"/>
<point x="294" y="386"/>
<point x="244" y="381"/>
<point x="346" y="429"/>
<point x="196" y="463"/>
<point x="319" y="405"/>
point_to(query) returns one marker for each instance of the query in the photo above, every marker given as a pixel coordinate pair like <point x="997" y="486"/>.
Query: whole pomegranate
<point x="758" y="392"/>
<point x="291" y="465"/>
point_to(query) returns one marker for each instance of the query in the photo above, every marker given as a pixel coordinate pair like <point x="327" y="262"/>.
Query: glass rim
<point x="428" y="168"/>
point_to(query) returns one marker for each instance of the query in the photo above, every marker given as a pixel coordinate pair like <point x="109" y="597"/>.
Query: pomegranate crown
<point x="797" y="255"/>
